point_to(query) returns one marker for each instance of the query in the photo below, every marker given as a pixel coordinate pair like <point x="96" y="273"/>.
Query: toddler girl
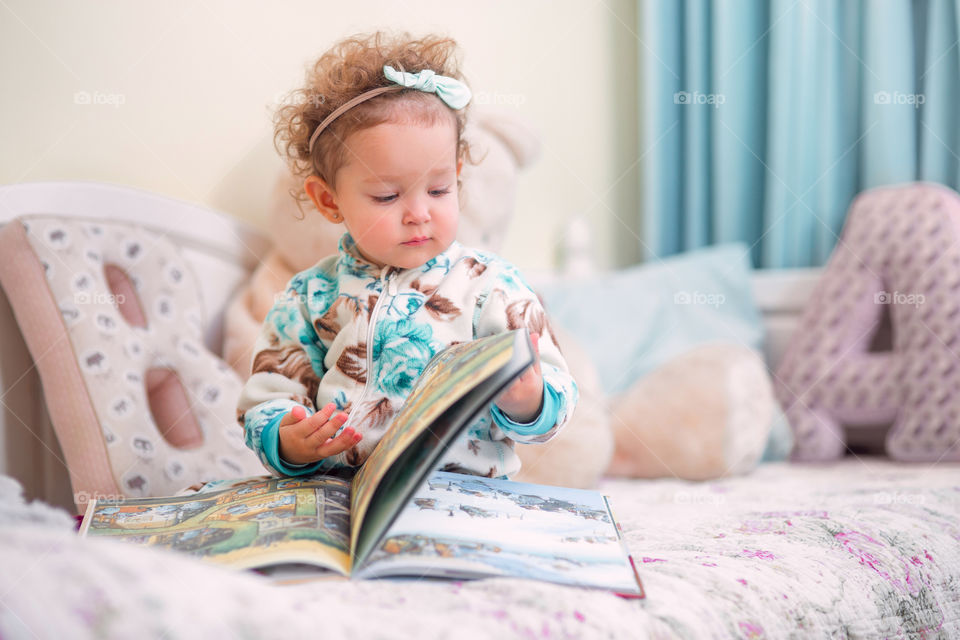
<point x="377" y="134"/>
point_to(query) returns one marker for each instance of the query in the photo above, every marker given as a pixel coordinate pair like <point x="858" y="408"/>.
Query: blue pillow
<point x="780" y="440"/>
<point x="633" y="320"/>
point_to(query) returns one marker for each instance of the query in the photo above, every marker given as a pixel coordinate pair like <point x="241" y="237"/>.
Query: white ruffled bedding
<point x="863" y="548"/>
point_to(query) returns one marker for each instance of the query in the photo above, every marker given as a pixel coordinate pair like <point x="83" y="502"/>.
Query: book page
<point x="448" y="378"/>
<point x="256" y="522"/>
<point x="463" y="526"/>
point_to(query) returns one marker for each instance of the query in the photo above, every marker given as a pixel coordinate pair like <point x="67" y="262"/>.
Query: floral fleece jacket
<point x="348" y="332"/>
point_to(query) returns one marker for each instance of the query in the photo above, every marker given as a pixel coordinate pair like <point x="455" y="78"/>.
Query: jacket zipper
<point x="388" y="287"/>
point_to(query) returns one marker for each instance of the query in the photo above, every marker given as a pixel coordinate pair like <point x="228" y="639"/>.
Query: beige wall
<point x="181" y="94"/>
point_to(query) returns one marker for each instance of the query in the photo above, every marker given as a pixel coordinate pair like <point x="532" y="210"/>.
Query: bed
<point x="863" y="547"/>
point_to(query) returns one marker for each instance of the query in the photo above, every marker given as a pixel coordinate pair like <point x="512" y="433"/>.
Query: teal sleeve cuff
<point x="270" y="440"/>
<point x="544" y="422"/>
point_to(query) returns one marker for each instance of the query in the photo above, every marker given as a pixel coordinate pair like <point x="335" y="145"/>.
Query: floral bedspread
<point x="863" y="548"/>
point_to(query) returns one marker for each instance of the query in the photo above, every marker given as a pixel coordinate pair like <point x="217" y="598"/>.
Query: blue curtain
<point x="762" y="119"/>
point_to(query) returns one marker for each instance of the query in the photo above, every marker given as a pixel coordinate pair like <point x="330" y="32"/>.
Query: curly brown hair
<point x="351" y="67"/>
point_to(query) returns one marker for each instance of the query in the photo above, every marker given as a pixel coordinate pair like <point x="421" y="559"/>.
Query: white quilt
<point x="862" y="548"/>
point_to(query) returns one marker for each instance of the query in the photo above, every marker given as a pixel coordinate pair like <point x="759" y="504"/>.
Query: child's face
<point x="397" y="193"/>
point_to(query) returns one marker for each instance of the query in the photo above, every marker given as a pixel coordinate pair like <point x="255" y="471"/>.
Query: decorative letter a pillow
<point x="899" y="254"/>
<point x="111" y="315"/>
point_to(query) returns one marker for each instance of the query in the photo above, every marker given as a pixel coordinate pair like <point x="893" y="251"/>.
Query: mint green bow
<point x="453" y="92"/>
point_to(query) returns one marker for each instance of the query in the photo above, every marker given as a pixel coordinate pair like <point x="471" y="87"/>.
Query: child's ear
<point x="323" y="198"/>
<point x="459" y="166"/>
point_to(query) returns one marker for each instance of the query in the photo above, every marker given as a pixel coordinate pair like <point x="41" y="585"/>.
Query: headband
<point x="454" y="93"/>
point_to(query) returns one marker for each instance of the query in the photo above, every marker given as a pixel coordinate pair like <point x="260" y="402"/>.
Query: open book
<point x="396" y="516"/>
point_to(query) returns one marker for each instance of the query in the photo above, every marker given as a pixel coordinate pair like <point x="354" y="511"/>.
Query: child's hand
<point x="304" y="440"/>
<point x="521" y="401"/>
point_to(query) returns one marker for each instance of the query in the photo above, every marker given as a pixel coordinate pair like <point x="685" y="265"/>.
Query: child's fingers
<point x="293" y="416"/>
<point x="296" y="431"/>
<point x="309" y="425"/>
<point x="325" y="431"/>
<point x="305" y="439"/>
<point x="347" y="438"/>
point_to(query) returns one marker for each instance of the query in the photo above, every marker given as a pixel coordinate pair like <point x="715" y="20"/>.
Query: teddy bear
<point x="719" y="429"/>
<point x="704" y="414"/>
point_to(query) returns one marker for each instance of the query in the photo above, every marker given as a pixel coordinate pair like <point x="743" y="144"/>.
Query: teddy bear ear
<point x="518" y="134"/>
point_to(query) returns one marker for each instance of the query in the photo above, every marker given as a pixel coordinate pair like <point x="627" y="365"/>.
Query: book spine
<point x="87" y="516"/>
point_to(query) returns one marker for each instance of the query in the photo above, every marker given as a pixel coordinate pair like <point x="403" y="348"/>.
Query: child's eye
<point x="383" y="199"/>
<point x="440" y="192"/>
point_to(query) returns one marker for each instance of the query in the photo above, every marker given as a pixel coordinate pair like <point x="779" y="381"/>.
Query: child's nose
<point x="417" y="211"/>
